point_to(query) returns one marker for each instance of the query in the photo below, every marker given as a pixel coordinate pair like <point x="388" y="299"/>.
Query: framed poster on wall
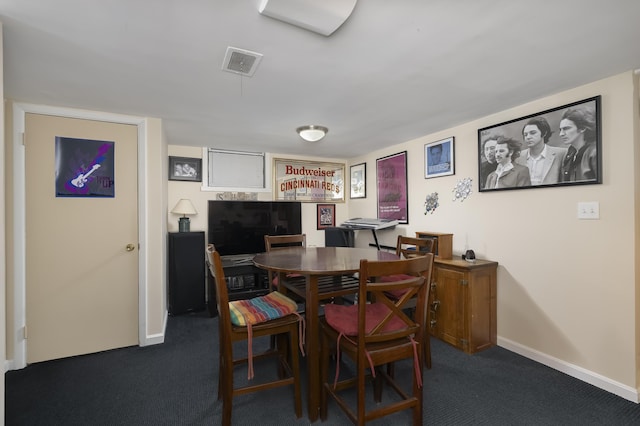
<point x="557" y="147"/>
<point x="391" y="175"/>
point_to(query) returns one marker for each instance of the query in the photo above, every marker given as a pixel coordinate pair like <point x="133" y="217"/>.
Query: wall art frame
<point x="185" y="169"/>
<point x="391" y="175"/>
<point x="326" y="216"/>
<point x="439" y="158"/>
<point x="308" y="181"/>
<point x="84" y="167"/>
<point x="358" y="173"/>
<point x="571" y="136"/>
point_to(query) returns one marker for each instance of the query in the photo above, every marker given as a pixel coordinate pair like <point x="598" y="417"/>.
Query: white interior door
<point x="81" y="252"/>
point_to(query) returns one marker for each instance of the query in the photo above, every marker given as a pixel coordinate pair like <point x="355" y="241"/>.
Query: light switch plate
<point x="589" y="210"/>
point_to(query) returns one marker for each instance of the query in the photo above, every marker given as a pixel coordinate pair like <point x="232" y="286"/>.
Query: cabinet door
<point x="450" y="299"/>
<point x="482" y="310"/>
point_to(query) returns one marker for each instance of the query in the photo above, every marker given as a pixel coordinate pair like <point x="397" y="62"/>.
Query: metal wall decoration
<point x="431" y="203"/>
<point x="462" y="190"/>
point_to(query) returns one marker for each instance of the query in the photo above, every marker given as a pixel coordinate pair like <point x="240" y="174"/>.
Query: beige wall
<point x="566" y="287"/>
<point x="199" y="198"/>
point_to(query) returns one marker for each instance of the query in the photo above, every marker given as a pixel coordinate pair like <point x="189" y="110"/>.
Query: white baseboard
<point x="153" y="339"/>
<point x="9" y="365"/>
<point x="595" y="379"/>
<point x="156" y="339"/>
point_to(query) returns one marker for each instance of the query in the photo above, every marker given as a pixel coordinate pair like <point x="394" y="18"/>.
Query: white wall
<point x="566" y="287"/>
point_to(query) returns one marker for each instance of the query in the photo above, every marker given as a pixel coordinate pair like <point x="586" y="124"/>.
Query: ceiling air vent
<point x="240" y="61"/>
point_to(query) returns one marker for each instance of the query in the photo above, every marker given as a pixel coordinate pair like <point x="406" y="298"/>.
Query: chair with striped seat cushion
<point x="270" y="315"/>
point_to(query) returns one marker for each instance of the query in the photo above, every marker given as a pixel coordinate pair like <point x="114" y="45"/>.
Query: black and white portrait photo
<point x="560" y="146"/>
<point x="185" y="168"/>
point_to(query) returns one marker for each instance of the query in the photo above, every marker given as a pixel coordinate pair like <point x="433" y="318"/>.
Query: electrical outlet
<point x="589" y="210"/>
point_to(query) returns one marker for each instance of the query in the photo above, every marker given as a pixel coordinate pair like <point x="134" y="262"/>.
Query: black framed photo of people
<point x="557" y="147"/>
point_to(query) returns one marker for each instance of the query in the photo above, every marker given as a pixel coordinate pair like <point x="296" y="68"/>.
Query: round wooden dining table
<point x="313" y="263"/>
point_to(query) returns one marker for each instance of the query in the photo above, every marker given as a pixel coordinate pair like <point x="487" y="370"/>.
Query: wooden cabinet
<point x="462" y="303"/>
<point x="443" y="243"/>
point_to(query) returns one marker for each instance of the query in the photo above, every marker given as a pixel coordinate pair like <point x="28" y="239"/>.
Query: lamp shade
<point x="184" y="207"/>
<point x="312" y="133"/>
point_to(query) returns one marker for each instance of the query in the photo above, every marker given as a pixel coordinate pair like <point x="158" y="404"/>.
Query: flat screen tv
<point x="239" y="227"/>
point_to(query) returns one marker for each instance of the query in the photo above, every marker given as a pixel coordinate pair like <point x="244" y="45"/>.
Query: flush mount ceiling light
<point x="312" y="133"/>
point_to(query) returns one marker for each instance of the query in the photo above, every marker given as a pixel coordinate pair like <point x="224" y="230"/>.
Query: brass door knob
<point x="131" y="247"/>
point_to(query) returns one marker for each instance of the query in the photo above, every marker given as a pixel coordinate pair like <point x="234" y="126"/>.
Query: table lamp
<point x="184" y="207"/>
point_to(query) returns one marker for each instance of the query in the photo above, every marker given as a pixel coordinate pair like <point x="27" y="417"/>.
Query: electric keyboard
<point x="364" y="223"/>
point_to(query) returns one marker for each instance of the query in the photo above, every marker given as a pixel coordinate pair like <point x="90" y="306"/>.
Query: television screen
<point x="239" y="227"/>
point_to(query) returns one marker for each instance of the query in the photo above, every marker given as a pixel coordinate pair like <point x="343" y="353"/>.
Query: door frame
<point x="19" y="212"/>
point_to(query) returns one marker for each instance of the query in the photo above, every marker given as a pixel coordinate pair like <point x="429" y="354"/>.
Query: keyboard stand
<point x="373" y="231"/>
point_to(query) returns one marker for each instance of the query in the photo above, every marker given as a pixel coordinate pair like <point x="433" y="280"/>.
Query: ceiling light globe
<point x="312" y="133"/>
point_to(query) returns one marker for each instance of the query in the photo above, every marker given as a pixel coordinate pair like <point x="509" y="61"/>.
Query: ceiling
<point x="394" y="71"/>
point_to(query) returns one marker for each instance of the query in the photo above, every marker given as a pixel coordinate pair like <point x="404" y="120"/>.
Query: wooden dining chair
<point x="383" y="333"/>
<point x="286" y="328"/>
<point x="408" y="248"/>
<point x="275" y="242"/>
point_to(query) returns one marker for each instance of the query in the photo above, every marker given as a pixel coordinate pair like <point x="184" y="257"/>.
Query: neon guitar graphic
<point x="81" y="179"/>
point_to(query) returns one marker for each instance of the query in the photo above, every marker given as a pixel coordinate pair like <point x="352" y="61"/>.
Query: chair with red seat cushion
<point x="381" y="333"/>
<point x="407" y="248"/>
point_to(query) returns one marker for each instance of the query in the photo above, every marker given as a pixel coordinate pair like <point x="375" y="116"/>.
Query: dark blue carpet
<point x="176" y="384"/>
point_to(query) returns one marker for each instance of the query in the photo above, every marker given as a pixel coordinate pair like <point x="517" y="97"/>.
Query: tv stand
<point x="244" y="280"/>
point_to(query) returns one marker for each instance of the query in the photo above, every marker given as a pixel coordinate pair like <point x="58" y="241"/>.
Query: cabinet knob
<point x="131" y="247"/>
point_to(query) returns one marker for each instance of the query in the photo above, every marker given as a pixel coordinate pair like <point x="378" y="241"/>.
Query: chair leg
<point x="417" y="393"/>
<point x="281" y="345"/>
<point x="220" y="376"/>
<point x="227" y="392"/>
<point x="295" y="370"/>
<point x="325" y="354"/>
<point x="427" y="350"/>
<point x="361" y="403"/>
<point x="377" y="387"/>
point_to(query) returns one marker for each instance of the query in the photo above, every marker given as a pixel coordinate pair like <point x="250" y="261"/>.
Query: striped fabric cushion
<point x="260" y="309"/>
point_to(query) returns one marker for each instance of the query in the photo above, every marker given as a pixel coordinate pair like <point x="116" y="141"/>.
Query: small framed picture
<point x="438" y="158"/>
<point x="359" y="180"/>
<point x="185" y="168"/>
<point x="326" y="215"/>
